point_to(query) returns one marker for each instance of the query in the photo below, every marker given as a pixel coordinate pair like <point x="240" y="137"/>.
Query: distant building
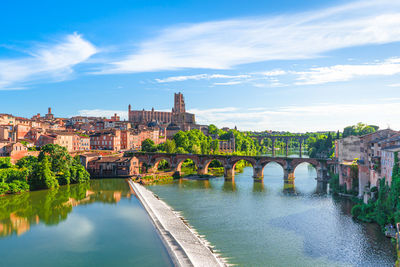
<point x="49" y="115"/>
<point x="106" y="140"/>
<point x="113" y="167"/>
<point x="178" y="115"/>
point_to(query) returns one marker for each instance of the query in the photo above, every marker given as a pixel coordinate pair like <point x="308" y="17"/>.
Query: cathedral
<point x="177" y="116"/>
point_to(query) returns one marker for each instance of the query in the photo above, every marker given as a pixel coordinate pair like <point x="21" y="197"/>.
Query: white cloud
<point x="382" y="112"/>
<point x="228" y="43"/>
<point x="200" y="77"/>
<point x="339" y="73"/>
<point x="322" y="116"/>
<point x="49" y="62"/>
<point x="273" y="73"/>
<point x="394" y="85"/>
<point x="104" y="113"/>
<point x="228" y="83"/>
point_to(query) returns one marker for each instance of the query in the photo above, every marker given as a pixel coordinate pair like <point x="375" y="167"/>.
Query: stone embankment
<point x="184" y="246"/>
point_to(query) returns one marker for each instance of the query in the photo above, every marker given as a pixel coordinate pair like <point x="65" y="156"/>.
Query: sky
<point x="259" y="65"/>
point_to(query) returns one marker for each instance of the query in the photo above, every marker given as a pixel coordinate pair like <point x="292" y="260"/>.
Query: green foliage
<point x="359" y="129"/>
<point x="5" y="163"/>
<point x="170" y="146"/>
<point x="4" y="188"/>
<point x="195" y="142"/>
<point x="78" y="173"/>
<point x="149" y="146"/>
<point x="385" y="208"/>
<point x="356" y="210"/>
<point x="53" y="167"/>
<point x="43" y="177"/>
<point x="18" y="186"/>
<point x="321" y="146"/>
<point x="28" y="162"/>
<point x="11" y="174"/>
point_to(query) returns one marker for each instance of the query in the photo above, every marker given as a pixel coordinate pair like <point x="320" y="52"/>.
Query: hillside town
<point x="97" y="136"/>
<point x="21" y="136"/>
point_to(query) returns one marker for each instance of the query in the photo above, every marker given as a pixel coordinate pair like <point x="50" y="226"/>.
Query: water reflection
<point x="289" y="189"/>
<point x="229" y="186"/>
<point x="294" y="224"/>
<point x="258" y="187"/>
<point x="18" y="213"/>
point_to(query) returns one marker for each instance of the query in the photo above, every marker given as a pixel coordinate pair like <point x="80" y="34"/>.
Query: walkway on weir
<point x="183" y="245"/>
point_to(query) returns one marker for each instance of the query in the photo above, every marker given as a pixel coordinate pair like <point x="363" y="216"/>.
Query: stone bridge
<point x="229" y="161"/>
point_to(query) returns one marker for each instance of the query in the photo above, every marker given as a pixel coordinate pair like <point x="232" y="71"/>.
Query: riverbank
<point x="184" y="246"/>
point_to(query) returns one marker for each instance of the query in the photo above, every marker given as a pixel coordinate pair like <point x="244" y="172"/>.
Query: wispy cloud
<point x="228" y="83"/>
<point x="49" y="62"/>
<point x="311" y="76"/>
<point x="340" y="73"/>
<point x="323" y="116"/>
<point x="296" y="118"/>
<point x="200" y="77"/>
<point x="103" y="113"/>
<point x="228" y="43"/>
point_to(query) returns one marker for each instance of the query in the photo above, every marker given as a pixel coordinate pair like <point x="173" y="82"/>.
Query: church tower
<point x="179" y="103"/>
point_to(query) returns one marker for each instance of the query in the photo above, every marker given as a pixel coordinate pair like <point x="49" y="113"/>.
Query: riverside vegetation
<point x="53" y="167"/>
<point x="384" y="205"/>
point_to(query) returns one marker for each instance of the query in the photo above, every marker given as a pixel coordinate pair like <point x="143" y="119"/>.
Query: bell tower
<point x="179" y="103"/>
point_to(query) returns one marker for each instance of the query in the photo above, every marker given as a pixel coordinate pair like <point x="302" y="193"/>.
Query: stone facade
<point x="106" y="140"/>
<point x="178" y="115"/>
<point x="113" y="167"/>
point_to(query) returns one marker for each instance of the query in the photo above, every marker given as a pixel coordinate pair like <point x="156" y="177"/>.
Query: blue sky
<point x="280" y="65"/>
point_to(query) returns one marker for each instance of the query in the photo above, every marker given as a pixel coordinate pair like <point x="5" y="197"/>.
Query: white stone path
<point x="183" y="245"/>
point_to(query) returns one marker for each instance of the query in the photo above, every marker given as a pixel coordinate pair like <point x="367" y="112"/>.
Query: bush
<point x="18" y="186"/>
<point x="356" y="210"/>
<point x="4" y="188"/>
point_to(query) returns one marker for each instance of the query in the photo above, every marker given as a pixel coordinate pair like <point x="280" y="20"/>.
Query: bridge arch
<point x="312" y="164"/>
<point x="234" y="163"/>
<point x="157" y="161"/>
<point x="182" y="160"/>
<point x="207" y="163"/>
<point x="270" y="163"/>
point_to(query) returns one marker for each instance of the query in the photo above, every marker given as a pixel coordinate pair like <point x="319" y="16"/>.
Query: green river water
<point x="101" y="224"/>
<point x="253" y="224"/>
<point x="250" y="224"/>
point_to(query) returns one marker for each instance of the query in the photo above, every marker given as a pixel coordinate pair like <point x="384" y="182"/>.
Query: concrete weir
<point x="183" y="245"/>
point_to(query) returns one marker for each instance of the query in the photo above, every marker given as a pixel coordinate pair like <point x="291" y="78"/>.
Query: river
<point x="101" y="224"/>
<point x="264" y="224"/>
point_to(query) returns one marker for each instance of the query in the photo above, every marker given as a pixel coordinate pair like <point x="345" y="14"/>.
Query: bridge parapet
<point x="151" y="160"/>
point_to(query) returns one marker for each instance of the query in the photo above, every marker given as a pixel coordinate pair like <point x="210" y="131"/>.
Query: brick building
<point x="106" y="140"/>
<point x="113" y="167"/>
<point x="178" y="115"/>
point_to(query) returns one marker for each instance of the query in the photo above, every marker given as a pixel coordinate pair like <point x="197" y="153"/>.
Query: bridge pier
<point x="258" y="174"/>
<point x="202" y="170"/>
<point x="322" y="173"/>
<point x="229" y="173"/>
<point x="288" y="176"/>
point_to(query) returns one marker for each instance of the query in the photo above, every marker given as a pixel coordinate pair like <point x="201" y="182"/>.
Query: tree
<point x="212" y="129"/>
<point x="359" y="129"/>
<point x="169" y="146"/>
<point x="43" y="177"/>
<point x="5" y="163"/>
<point x="28" y="162"/>
<point x="148" y="146"/>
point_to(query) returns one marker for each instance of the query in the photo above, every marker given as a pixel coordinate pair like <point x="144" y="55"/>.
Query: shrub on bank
<point x="53" y="167"/>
